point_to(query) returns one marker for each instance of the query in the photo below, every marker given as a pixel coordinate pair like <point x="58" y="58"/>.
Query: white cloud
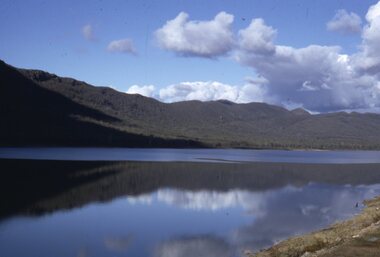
<point x="211" y="91"/>
<point x="345" y="22"/>
<point x="197" y="38"/>
<point x="308" y="86"/>
<point x="369" y="59"/>
<point x="251" y="91"/>
<point x="373" y="13"/>
<point x="316" y="77"/>
<point x="121" y="46"/>
<point x="257" y="37"/>
<point x="199" y="90"/>
<point x="147" y="90"/>
<point x="88" y="32"/>
<point x="319" y="78"/>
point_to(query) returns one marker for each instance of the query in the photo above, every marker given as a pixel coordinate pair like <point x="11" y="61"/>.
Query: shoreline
<point x="191" y="155"/>
<point x="311" y="149"/>
<point x="358" y="236"/>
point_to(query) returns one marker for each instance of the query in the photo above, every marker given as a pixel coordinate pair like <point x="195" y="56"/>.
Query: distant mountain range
<point x="41" y="109"/>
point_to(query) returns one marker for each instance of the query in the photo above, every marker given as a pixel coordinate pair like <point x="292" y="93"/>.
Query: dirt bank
<point x="359" y="236"/>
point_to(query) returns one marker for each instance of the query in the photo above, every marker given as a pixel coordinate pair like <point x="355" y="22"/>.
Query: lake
<point x="173" y="202"/>
<point x="189" y="155"/>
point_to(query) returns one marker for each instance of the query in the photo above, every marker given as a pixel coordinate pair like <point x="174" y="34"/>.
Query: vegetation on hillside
<point x="41" y="108"/>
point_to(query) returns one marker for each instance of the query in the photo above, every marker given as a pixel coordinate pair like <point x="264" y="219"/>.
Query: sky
<point x="323" y="55"/>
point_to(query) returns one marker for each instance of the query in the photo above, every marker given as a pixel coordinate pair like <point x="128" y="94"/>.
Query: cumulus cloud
<point x="88" y="32"/>
<point x="345" y="22"/>
<point x="368" y="60"/>
<point x="258" y="37"/>
<point x="121" y="46"/>
<point x="147" y="90"/>
<point x="251" y="91"/>
<point x="199" y="90"/>
<point x="318" y="78"/>
<point x="208" y="39"/>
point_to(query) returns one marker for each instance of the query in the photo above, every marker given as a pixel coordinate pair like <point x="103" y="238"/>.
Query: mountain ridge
<point x="218" y="123"/>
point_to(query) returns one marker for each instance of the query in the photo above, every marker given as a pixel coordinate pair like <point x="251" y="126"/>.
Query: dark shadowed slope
<point x="214" y="124"/>
<point x="33" y="115"/>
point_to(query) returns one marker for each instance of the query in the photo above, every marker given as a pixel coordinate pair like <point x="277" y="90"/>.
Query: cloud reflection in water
<point x="201" y="246"/>
<point x="276" y="214"/>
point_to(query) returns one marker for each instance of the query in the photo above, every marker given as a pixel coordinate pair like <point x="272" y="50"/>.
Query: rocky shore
<point x="359" y="236"/>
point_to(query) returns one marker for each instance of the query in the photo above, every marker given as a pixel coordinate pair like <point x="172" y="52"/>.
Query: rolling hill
<point x="32" y="115"/>
<point x="39" y="108"/>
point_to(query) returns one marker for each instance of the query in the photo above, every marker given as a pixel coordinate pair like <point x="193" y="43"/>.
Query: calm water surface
<point x="172" y="208"/>
<point x="206" y="155"/>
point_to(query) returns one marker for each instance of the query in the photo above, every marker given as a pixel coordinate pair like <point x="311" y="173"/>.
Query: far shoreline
<point x="233" y="155"/>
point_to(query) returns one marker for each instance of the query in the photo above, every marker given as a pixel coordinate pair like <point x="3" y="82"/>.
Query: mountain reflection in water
<point x="171" y="208"/>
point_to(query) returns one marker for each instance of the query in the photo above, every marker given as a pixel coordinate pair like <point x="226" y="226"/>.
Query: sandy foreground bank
<point x="359" y="236"/>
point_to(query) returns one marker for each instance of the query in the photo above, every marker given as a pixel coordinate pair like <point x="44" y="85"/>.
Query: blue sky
<point x="72" y="38"/>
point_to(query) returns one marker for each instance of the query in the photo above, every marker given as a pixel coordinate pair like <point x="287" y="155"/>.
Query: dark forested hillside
<point x="39" y="108"/>
<point x="34" y="115"/>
